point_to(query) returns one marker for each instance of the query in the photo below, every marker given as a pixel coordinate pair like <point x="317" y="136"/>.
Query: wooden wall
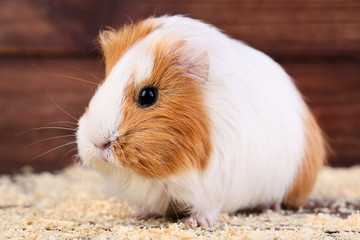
<point x="48" y="57"/>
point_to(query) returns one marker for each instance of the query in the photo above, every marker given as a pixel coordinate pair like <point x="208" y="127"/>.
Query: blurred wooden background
<point x="47" y="49"/>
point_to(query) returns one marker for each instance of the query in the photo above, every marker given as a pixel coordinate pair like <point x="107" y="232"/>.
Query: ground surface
<point x="73" y="204"/>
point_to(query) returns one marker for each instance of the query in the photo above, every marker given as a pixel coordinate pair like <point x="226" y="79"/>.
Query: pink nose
<point x="103" y="146"/>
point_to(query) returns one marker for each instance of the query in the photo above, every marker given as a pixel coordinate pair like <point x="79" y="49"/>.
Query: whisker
<point x="88" y="73"/>
<point x="61" y="122"/>
<point x="61" y="108"/>
<point x="53" y="149"/>
<point x="50" y="138"/>
<point x="64" y="122"/>
<point x="78" y="69"/>
<point x="75" y="78"/>
<point x="71" y="150"/>
<point x="39" y="128"/>
<point x="43" y="128"/>
<point x="63" y="75"/>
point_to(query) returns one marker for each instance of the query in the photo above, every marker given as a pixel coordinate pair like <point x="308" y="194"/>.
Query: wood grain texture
<point x="315" y="28"/>
<point x="45" y="48"/>
<point x="333" y="92"/>
<point x="33" y="93"/>
<point x="33" y="90"/>
<point x="45" y="27"/>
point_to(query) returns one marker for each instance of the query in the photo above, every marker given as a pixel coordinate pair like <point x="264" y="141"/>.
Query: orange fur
<point x="173" y="134"/>
<point x="115" y="43"/>
<point x="315" y="155"/>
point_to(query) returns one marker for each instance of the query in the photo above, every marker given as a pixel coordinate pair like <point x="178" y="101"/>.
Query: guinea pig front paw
<point x="197" y="221"/>
<point x="142" y="215"/>
<point x="276" y="207"/>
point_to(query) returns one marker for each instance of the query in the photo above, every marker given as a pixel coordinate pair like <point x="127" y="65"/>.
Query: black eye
<point x="147" y="96"/>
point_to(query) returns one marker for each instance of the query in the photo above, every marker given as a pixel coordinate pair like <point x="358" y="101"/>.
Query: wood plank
<point x="46" y="27"/>
<point x="281" y="28"/>
<point x="30" y="91"/>
<point x="28" y="85"/>
<point x="333" y="92"/>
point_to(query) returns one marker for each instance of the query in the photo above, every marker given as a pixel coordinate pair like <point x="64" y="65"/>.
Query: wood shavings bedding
<point x="73" y="204"/>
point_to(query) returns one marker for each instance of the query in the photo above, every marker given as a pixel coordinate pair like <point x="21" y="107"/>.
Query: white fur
<point x="257" y="132"/>
<point x="102" y="121"/>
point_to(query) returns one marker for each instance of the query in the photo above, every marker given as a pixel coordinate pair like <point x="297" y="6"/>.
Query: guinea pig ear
<point x="193" y="61"/>
<point x="105" y="38"/>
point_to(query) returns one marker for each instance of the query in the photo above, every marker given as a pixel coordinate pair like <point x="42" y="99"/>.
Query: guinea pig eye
<point x="147" y="96"/>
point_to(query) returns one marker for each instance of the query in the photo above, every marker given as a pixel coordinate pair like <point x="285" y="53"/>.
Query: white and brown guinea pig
<point x="191" y="121"/>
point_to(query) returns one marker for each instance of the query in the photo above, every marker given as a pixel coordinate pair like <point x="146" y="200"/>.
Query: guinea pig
<point x="191" y="122"/>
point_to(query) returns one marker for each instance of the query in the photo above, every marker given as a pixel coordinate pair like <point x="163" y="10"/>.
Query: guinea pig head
<point x="149" y="115"/>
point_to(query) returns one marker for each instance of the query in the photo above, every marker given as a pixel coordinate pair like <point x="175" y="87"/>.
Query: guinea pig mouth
<point x="105" y="155"/>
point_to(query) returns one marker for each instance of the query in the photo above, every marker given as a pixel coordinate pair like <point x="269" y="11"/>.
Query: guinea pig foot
<point x="197" y="221"/>
<point x="276" y="207"/>
<point x="141" y="215"/>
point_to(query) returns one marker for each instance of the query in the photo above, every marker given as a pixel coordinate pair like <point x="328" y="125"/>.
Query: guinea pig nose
<point x="103" y="145"/>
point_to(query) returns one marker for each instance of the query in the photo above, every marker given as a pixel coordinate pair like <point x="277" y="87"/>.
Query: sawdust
<point x="73" y="204"/>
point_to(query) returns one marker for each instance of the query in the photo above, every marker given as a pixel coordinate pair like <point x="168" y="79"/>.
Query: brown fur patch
<point x="315" y="156"/>
<point x="114" y="43"/>
<point x="173" y="134"/>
